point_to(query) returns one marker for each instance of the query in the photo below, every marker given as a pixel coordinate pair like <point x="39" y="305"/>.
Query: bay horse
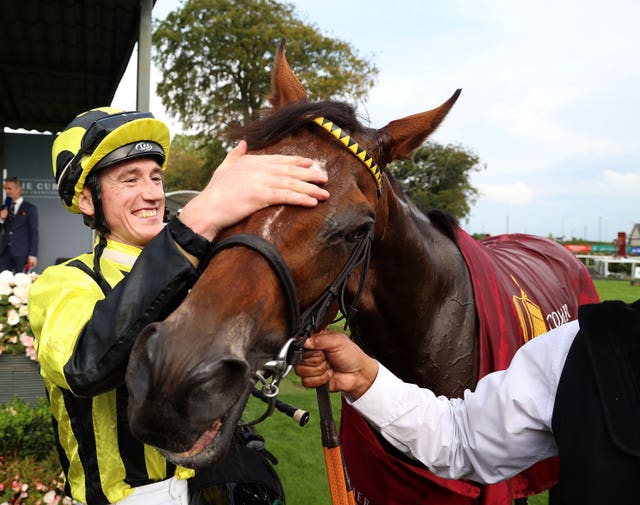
<point x="421" y="295"/>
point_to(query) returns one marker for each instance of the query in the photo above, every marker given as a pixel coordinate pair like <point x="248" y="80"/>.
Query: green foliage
<point x="438" y="177"/>
<point x="192" y="161"/>
<point x="539" y="499"/>
<point x="620" y="268"/>
<point x="26" y="431"/>
<point x="216" y="57"/>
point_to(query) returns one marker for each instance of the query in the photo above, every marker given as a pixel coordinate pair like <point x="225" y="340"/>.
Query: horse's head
<point x="190" y="376"/>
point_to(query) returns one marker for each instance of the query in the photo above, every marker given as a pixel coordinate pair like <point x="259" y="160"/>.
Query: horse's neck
<point x="418" y="316"/>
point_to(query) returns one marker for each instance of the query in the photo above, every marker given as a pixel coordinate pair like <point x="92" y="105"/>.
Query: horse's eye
<point x="359" y="233"/>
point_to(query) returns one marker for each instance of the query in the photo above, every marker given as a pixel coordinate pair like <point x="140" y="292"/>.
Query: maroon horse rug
<point x="512" y="277"/>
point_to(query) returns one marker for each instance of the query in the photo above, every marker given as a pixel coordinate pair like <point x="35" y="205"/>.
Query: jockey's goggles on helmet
<point x="102" y="127"/>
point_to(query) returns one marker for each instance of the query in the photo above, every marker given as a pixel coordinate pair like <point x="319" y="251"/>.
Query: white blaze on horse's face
<point x="266" y="228"/>
<point x="319" y="166"/>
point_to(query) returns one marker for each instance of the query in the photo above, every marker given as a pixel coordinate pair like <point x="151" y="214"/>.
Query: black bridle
<point x="301" y="324"/>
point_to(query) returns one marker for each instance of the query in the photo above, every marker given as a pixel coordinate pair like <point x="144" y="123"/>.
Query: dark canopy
<point x="61" y="57"/>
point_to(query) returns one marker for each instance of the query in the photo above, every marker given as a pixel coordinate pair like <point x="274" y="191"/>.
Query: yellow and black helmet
<point x="100" y="138"/>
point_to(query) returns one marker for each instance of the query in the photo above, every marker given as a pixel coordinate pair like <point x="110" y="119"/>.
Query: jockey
<point x="87" y="312"/>
<point x="572" y="392"/>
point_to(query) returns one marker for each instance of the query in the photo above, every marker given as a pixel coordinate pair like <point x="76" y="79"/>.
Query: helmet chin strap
<point x="97" y="254"/>
<point x="98" y="221"/>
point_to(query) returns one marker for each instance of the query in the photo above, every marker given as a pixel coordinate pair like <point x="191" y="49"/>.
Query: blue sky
<point x="550" y="99"/>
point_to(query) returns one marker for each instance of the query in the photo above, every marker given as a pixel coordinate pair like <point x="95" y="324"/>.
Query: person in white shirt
<point x="572" y="392"/>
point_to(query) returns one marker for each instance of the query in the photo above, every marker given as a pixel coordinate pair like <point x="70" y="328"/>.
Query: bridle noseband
<point x="302" y="324"/>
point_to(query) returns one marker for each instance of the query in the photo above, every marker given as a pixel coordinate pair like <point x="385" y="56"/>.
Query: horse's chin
<point x="212" y="445"/>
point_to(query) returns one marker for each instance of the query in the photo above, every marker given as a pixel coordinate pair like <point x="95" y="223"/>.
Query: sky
<point x="550" y="99"/>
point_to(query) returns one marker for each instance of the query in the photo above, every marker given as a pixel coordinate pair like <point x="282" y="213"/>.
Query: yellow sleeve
<point x="61" y="301"/>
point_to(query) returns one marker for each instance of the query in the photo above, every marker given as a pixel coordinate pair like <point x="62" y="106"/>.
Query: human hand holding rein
<point x="331" y="357"/>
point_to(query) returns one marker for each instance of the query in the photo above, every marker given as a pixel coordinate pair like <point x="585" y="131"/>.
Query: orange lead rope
<point x="339" y="485"/>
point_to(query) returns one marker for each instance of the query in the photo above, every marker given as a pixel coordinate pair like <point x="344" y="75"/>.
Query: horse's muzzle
<point x="177" y="395"/>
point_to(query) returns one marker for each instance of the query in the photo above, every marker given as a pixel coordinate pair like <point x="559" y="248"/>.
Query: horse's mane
<point x="445" y="222"/>
<point x="276" y="124"/>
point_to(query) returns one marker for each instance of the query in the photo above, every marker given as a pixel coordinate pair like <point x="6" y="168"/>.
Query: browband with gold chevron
<point x="354" y="147"/>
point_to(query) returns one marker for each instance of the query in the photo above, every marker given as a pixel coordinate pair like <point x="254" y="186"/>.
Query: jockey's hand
<point x="331" y="357"/>
<point x="244" y="184"/>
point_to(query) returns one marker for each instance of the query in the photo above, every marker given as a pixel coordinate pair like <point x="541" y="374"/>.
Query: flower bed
<point x="16" y="336"/>
<point x="32" y="482"/>
<point x="29" y="466"/>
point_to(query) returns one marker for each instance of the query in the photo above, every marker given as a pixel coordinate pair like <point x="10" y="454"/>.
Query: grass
<point x="299" y="449"/>
<point x="614" y="289"/>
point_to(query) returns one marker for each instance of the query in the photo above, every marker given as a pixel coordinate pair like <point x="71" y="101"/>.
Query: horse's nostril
<point x="236" y="371"/>
<point x="213" y="389"/>
<point x="224" y="374"/>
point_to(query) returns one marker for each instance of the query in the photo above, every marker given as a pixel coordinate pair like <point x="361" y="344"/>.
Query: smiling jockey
<point x="86" y="313"/>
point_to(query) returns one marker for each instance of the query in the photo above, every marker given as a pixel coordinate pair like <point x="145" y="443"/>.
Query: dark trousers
<point x="13" y="263"/>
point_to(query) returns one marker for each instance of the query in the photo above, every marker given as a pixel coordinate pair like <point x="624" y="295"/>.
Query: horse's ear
<point x="285" y="86"/>
<point x="403" y="136"/>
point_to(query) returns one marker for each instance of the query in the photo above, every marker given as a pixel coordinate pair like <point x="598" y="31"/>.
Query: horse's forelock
<point x="278" y="123"/>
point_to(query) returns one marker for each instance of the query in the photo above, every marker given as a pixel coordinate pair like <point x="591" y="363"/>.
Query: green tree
<point x="192" y="160"/>
<point x="438" y="177"/>
<point x="216" y="57"/>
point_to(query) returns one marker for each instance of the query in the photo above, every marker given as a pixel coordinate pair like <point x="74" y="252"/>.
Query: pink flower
<point x="26" y="340"/>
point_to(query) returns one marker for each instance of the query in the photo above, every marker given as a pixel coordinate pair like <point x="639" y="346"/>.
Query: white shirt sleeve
<point x="494" y="432"/>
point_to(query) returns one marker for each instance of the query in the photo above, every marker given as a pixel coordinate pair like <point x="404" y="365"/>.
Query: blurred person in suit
<point x="19" y="218"/>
